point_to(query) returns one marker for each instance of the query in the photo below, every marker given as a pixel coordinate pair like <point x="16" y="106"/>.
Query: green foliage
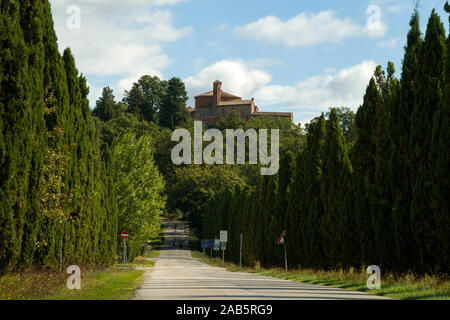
<point x="173" y="112"/>
<point x="232" y="121"/>
<point x="145" y="97"/>
<point x="139" y="188"/>
<point x="106" y="107"/>
<point x="347" y="118"/>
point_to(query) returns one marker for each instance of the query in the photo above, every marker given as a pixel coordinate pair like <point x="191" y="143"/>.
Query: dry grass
<point x="108" y="284"/>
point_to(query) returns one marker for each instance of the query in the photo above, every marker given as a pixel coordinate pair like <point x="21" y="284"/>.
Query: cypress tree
<point x="279" y="214"/>
<point x="382" y="197"/>
<point x="399" y="162"/>
<point x="295" y="204"/>
<point x="336" y="167"/>
<point x="362" y="155"/>
<point x="312" y="198"/>
<point x="21" y="121"/>
<point x="430" y="86"/>
<point x="440" y="176"/>
<point x="105" y="105"/>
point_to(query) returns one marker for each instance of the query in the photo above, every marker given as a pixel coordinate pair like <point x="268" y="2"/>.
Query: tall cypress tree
<point x="381" y="199"/>
<point x="21" y="114"/>
<point x="430" y="88"/>
<point x="400" y="155"/>
<point x="336" y="167"/>
<point x="312" y="198"/>
<point x="279" y="214"/>
<point x="362" y="156"/>
<point x="440" y="175"/>
<point x="294" y="213"/>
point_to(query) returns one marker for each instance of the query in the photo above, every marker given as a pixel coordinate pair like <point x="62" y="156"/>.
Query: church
<point x="210" y="107"/>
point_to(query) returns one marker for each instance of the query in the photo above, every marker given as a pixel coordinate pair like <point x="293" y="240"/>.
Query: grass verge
<point x="406" y="287"/>
<point x="108" y="284"/>
<point x="138" y="262"/>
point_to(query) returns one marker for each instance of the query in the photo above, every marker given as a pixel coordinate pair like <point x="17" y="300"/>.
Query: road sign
<point x="217" y="244"/>
<point x="206" y="244"/>
<point x="124" y="235"/>
<point x="223" y="246"/>
<point x="281" y="240"/>
<point x="224" y="236"/>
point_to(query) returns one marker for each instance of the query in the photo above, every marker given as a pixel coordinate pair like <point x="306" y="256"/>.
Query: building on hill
<point x="210" y="107"/>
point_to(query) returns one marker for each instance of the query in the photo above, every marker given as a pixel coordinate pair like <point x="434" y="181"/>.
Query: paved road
<point x="177" y="276"/>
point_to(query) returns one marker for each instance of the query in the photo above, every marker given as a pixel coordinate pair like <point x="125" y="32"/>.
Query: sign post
<point x="223" y="243"/>
<point x="124" y="236"/>
<point x="282" y="241"/>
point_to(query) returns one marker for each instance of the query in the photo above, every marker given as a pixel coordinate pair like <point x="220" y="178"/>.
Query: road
<point x="177" y="276"/>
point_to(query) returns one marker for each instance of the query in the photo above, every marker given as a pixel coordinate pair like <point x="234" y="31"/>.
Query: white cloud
<point x="112" y="6"/>
<point x="238" y="78"/>
<point x="116" y="44"/>
<point x="305" y="29"/>
<point x="345" y="87"/>
<point x="307" y="98"/>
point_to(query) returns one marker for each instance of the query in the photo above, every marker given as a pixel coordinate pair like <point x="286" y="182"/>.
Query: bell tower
<point x="217" y="93"/>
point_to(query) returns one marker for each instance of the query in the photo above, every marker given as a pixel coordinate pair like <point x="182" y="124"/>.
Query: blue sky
<point x="297" y="56"/>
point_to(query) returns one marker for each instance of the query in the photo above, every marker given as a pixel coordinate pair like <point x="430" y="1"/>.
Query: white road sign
<point x="224" y="236"/>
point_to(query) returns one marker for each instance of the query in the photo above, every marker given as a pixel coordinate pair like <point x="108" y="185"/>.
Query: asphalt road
<point x="177" y="276"/>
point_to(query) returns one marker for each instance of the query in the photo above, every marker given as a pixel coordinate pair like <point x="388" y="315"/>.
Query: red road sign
<point x="281" y="240"/>
<point x="124" y="235"/>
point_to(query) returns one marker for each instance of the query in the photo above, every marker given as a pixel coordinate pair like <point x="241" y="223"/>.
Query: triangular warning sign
<point x="281" y="240"/>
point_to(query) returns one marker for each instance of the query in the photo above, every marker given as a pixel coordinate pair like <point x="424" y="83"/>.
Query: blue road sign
<point x="207" y="244"/>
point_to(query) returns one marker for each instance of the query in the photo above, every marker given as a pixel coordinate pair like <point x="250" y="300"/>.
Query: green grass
<point x="113" y="284"/>
<point x="406" y="287"/>
<point x="137" y="262"/>
<point x="108" y="284"/>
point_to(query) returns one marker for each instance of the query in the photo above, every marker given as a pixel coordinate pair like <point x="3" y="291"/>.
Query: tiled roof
<point x="273" y="114"/>
<point x="234" y="103"/>
<point x="224" y="94"/>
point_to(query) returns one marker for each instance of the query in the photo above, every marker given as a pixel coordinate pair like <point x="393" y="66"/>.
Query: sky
<point x="291" y="56"/>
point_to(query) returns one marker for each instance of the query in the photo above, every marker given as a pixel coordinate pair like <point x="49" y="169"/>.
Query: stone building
<point x="210" y="107"/>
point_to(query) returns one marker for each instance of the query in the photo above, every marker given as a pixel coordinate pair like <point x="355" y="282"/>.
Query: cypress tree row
<point x="22" y="124"/>
<point x="385" y="201"/>
<point x="56" y="194"/>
